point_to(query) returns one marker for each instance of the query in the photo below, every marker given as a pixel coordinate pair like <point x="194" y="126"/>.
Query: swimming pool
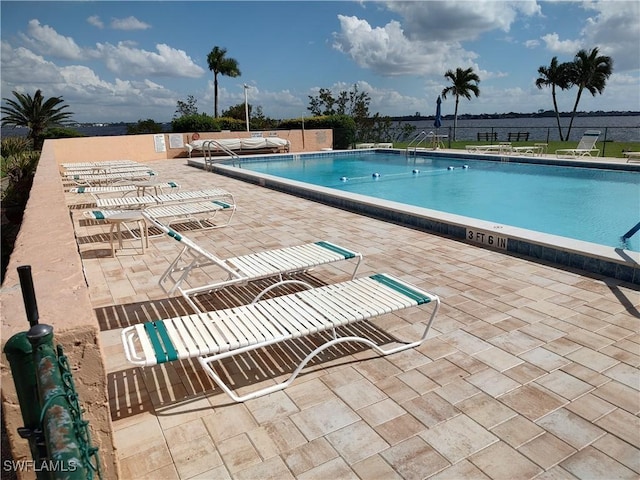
<point x="589" y="204"/>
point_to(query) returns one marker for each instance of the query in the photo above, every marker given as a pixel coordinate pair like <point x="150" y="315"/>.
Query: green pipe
<point x="64" y="450"/>
<point x="20" y="356"/>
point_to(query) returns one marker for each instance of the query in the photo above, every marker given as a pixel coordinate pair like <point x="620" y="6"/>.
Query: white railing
<point x="208" y="152"/>
<point x="417" y="140"/>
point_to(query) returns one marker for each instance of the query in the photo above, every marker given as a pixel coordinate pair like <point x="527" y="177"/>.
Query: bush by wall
<point x="202" y="122"/>
<point x="344" y="128"/>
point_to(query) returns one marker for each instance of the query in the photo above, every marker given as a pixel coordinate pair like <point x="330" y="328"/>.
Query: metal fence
<point x="58" y="436"/>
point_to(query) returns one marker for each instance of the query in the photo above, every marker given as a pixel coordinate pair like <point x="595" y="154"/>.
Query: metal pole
<point x="28" y="294"/>
<point x="246" y="105"/>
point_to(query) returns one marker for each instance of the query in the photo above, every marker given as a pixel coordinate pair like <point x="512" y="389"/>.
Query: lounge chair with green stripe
<point x="221" y="334"/>
<point x="165" y="198"/>
<point x="75" y="172"/>
<point x="212" y="273"/>
<point x="97" y="179"/>
<point x="124" y="189"/>
<point x="101" y="164"/>
<point x="202" y="213"/>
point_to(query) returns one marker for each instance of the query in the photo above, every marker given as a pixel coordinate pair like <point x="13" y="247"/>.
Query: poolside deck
<point x="530" y="371"/>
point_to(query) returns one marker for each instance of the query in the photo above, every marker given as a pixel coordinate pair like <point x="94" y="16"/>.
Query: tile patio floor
<point x="530" y="371"/>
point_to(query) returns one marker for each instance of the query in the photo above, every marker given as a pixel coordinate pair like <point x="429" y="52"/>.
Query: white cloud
<point x="90" y="97"/>
<point x="123" y="59"/>
<point x="615" y="29"/>
<point x="95" y="21"/>
<point x="458" y="21"/>
<point x="428" y="40"/>
<point x="566" y="47"/>
<point x="387" y="51"/>
<point x="18" y="65"/>
<point x="47" y="41"/>
<point x="129" y="23"/>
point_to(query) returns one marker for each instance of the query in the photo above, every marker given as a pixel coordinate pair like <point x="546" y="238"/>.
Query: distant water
<point x="107" y="131"/>
<point x="614" y="128"/>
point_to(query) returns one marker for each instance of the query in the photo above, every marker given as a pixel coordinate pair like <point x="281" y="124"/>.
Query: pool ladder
<point x="417" y="140"/>
<point x="208" y="157"/>
<point x="631" y="232"/>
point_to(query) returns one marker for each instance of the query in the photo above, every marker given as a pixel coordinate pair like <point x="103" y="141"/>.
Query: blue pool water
<point x="590" y="204"/>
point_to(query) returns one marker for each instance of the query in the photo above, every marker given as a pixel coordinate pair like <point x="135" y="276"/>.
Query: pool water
<point x="590" y="204"/>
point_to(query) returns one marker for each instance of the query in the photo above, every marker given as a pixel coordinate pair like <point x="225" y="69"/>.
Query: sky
<point x="124" y="61"/>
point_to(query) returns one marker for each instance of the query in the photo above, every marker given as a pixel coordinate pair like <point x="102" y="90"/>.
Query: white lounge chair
<point x="200" y="212"/>
<point x="75" y="172"/>
<point x="220" y="334"/>
<point x="535" y="150"/>
<point x="632" y="156"/>
<point x="97" y="179"/>
<point x="124" y="190"/>
<point x="585" y="147"/>
<point x="147" y="200"/>
<point x="91" y="165"/>
<point x="502" y="147"/>
<point x="221" y="273"/>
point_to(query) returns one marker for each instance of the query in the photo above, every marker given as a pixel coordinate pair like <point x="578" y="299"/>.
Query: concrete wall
<point x="142" y="148"/>
<point x="47" y="243"/>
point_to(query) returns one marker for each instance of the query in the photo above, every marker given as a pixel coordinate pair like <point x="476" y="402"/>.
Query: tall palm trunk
<point x="455" y="118"/>
<point x="555" y="107"/>
<point x="215" y="95"/>
<point x="573" y="113"/>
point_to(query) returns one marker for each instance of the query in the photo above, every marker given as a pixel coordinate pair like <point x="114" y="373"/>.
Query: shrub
<point x="19" y="169"/>
<point x="205" y="123"/>
<point x="343" y="126"/>
<point x="62" y="132"/>
<point x="12" y="146"/>
<point x="144" y="126"/>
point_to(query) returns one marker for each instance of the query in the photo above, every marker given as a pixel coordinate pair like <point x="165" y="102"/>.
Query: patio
<point x="530" y="371"/>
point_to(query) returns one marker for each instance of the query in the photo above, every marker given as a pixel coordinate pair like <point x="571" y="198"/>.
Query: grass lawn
<point x="611" y="149"/>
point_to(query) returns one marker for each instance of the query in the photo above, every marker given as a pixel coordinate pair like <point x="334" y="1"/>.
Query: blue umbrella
<point x="438" y="121"/>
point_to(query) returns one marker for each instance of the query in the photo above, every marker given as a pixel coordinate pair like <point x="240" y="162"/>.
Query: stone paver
<point x="530" y="371"/>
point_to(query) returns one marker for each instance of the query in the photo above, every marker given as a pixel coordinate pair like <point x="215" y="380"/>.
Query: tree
<point x="555" y="75"/>
<point x="219" y="64"/>
<point x="237" y="111"/>
<point x="354" y="104"/>
<point x="35" y="113"/>
<point x="465" y="82"/>
<point x="144" y="126"/>
<point x="323" y="104"/>
<point x="186" y="108"/>
<point x="590" y="71"/>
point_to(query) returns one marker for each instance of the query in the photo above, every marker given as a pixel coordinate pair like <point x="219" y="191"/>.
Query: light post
<point x="246" y="105"/>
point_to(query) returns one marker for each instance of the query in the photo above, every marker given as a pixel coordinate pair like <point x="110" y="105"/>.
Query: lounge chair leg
<point x="279" y="284"/>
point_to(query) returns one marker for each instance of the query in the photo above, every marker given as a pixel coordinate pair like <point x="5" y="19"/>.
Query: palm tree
<point x="590" y="71"/>
<point x="555" y="75"/>
<point x="219" y="64"/>
<point x="465" y="82"/>
<point x="37" y="114"/>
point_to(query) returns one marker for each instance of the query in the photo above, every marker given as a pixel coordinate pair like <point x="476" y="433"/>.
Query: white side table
<point x="117" y="220"/>
<point x="141" y="188"/>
